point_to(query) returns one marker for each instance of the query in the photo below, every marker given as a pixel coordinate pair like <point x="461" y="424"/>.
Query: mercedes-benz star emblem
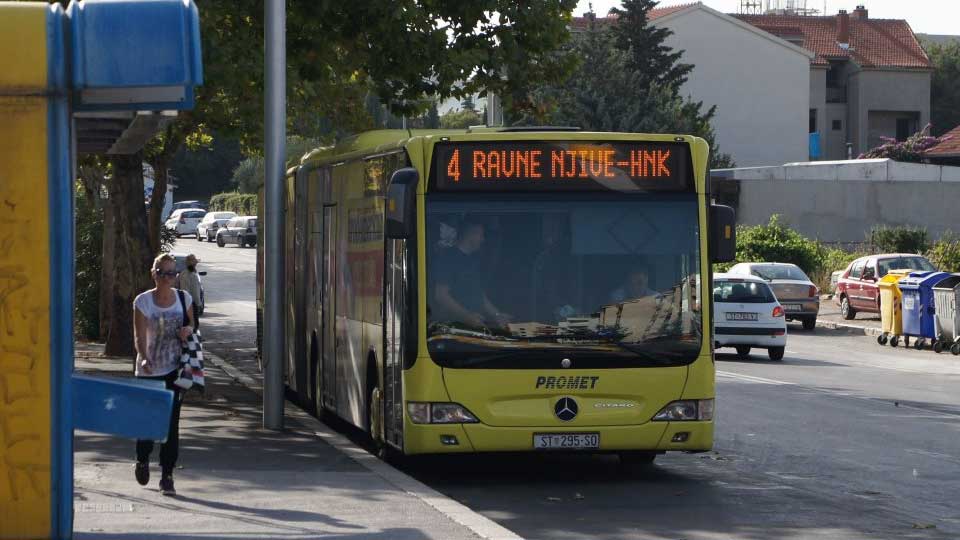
<point x="566" y="409"/>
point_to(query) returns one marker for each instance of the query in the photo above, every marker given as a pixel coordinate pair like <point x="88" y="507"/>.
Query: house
<point x="948" y="151"/>
<point x="792" y="87"/>
<point x="869" y="78"/>
<point x="758" y="81"/>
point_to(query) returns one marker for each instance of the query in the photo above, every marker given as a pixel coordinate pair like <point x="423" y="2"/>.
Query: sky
<point x="924" y="16"/>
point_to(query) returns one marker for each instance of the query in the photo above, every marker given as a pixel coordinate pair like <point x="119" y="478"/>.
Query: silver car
<point x="241" y="230"/>
<point x="797" y="294"/>
<point x="207" y="229"/>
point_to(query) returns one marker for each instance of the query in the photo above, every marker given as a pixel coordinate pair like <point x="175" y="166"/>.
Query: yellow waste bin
<point x="891" y="312"/>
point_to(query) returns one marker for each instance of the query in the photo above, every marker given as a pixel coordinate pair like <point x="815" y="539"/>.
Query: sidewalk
<point x="236" y="480"/>
<point x="865" y="323"/>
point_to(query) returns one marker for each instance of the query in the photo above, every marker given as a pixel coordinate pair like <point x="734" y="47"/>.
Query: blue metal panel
<point x="60" y="194"/>
<point x="132" y="48"/>
<point x="134" y="408"/>
<point x="814" y="146"/>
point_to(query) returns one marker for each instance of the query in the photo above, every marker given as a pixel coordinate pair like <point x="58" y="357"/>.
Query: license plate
<point x="741" y="316"/>
<point x="566" y="441"/>
<point x="792" y="307"/>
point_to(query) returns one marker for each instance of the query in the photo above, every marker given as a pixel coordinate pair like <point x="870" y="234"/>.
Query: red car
<point x="857" y="289"/>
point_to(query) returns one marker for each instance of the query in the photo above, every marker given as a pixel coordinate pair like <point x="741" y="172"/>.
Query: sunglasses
<point x="167" y="274"/>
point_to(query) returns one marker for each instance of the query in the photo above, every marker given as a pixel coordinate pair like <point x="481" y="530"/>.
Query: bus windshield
<point x="519" y="282"/>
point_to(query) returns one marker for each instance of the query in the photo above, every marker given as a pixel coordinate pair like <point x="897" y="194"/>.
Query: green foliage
<point x="206" y="169"/>
<point x="831" y="260"/>
<point x="633" y="95"/>
<point x="461" y="119"/>
<point x="901" y="239"/>
<point x="89" y="258"/>
<point x="168" y="239"/>
<point x="647" y="56"/>
<point x="776" y="242"/>
<point x="243" y="204"/>
<point x="945" y="252"/>
<point x="944" y="86"/>
<point x="249" y="174"/>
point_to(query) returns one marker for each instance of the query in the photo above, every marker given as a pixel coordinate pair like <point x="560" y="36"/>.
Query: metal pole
<point x="275" y="112"/>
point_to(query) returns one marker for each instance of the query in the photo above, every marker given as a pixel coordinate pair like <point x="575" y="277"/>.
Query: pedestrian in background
<point x="159" y="330"/>
<point x="190" y="282"/>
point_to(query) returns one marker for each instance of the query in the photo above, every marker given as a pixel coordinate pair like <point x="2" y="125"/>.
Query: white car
<point x="207" y="229"/>
<point x="185" y="221"/>
<point x="746" y="315"/>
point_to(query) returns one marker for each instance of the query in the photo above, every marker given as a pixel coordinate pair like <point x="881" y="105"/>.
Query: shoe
<point x="142" y="472"/>
<point x="166" y="486"/>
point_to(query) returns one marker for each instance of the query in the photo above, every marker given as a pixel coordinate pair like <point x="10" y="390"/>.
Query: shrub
<point x="945" y="253"/>
<point x="89" y="227"/>
<point x="775" y="242"/>
<point x="831" y="260"/>
<point x="244" y="204"/>
<point x="911" y="150"/>
<point x="901" y="239"/>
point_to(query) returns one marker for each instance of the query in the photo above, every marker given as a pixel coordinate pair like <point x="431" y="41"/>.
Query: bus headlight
<point x="439" y="413"/>
<point x="686" y="410"/>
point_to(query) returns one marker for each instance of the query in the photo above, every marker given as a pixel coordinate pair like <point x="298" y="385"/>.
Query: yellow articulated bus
<point x="491" y="290"/>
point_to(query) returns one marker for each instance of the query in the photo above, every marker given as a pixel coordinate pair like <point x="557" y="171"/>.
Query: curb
<point x="865" y="330"/>
<point x="476" y="523"/>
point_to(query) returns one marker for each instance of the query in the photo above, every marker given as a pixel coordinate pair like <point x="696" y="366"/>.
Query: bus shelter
<point x="95" y="77"/>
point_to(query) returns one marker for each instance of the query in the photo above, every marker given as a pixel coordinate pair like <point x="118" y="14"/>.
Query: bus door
<point x="396" y="289"/>
<point x="328" y="318"/>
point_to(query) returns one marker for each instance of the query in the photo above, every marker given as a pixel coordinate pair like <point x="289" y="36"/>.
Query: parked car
<point x="207" y="229"/>
<point x="185" y="221"/>
<point x="747" y="315"/>
<point x="795" y="291"/>
<point x="240" y="230"/>
<point x="186" y="205"/>
<point x="181" y="262"/>
<point x="857" y="289"/>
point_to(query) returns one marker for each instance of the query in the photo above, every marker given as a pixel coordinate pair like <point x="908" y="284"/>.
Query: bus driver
<point x="460" y="292"/>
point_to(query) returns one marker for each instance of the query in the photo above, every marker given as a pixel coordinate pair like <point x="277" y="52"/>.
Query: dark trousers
<point x="196" y="316"/>
<point x="170" y="449"/>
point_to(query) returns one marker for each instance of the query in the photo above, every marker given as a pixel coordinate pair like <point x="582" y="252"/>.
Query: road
<point x="844" y="439"/>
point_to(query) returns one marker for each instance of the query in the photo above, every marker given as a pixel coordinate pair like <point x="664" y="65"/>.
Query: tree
<point x="207" y="170"/>
<point x="625" y="99"/>
<point x="944" y="86"/>
<point x="647" y="56"/>
<point x="338" y="53"/>
<point x="460" y="119"/>
<point x="432" y="118"/>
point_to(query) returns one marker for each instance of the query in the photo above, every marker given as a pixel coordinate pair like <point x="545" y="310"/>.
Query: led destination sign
<point x="587" y="166"/>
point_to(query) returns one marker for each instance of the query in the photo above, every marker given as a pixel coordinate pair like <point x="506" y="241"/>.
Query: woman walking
<point x="159" y="331"/>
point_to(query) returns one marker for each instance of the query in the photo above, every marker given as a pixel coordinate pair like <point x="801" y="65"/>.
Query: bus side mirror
<point x="723" y="233"/>
<point x="401" y="215"/>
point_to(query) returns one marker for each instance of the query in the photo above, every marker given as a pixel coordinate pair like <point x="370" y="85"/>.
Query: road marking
<point x="752" y="379"/>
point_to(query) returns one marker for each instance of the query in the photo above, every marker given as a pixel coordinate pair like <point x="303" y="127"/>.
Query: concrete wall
<point x="842" y="201"/>
<point x="760" y="86"/>
<point x="882" y="90"/>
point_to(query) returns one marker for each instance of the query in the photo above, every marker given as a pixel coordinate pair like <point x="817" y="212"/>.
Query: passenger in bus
<point x="634" y="287"/>
<point x="460" y="293"/>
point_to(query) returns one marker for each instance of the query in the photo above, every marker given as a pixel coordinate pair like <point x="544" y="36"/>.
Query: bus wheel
<point x="374" y="406"/>
<point x="637" y="458"/>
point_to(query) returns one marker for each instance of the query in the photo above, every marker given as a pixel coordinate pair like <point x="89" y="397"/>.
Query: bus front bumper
<point x="652" y="436"/>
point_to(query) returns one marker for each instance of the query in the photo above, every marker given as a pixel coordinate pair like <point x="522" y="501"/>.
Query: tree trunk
<point x="107" y="268"/>
<point x="133" y="255"/>
<point x="155" y="213"/>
